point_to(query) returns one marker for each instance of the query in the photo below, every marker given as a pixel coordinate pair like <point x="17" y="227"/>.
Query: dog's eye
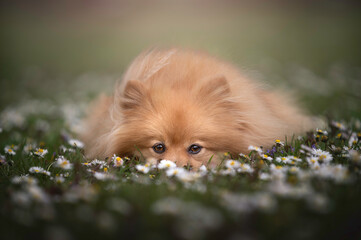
<point x="194" y="149"/>
<point x="159" y="148"/>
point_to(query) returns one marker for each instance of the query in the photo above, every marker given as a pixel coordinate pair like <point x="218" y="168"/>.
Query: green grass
<point x="307" y="204"/>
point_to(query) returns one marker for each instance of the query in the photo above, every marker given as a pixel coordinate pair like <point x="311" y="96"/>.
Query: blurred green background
<point x="73" y="50"/>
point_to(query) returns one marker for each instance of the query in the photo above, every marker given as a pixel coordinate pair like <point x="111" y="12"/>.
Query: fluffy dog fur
<point x="179" y="98"/>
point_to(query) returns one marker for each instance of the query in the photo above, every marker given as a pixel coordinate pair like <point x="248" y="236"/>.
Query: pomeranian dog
<point x="187" y="107"/>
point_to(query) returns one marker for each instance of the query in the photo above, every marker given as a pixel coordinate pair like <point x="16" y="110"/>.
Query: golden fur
<point x="178" y="98"/>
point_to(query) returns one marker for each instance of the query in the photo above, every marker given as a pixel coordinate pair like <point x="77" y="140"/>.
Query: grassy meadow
<point x="55" y="59"/>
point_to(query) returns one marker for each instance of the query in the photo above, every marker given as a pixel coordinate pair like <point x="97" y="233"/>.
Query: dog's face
<point x="186" y="127"/>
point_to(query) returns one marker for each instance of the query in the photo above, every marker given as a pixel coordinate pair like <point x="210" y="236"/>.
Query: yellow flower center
<point x="266" y="156"/>
<point x="167" y="165"/>
<point x="41" y="150"/>
<point x="283" y="159"/>
<point x="279" y="167"/>
<point x="105" y="169"/>
<point x="64" y="163"/>
<point x="313" y="160"/>
<point x="118" y="159"/>
<point x="322" y="157"/>
<point x="232" y="163"/>
<point x="10" y="150"/>
<point x="36" y="170"/>
<point x="339" y="135"/>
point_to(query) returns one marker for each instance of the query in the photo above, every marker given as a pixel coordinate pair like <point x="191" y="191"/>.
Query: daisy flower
<point x="253" y="148"/>
<point x="76" y="143"/>
<point x="338" y="125"/>
<point x="228" y="171"/>
<point x="96" y="162"/>
<point x="323" y="156"/>
<point x="40" y="152"/>
<point x="166" y="164"/>
<point x="59" y="179"/>
<point x="266" y="157"/>
<point x="312" y="160"/>
<point x="278" y="142"/>
<point x="353" y="140"/>
<point x="186" y="176"/>
<point x="244" y="167"/>
<point x="117" y="161"/>
<point x="63" y="163"/>
<point x="86" y="164"/>
<point x="65" y="149"/>
<point x="174" y="171"/>
<point x="37" y="170"/>
<point x="203" y="169"/>
<point x="233" y="164"/>
<point x="283" y="159"/>
<point x="24" y="179"/>
<point x="321" y="132"/>
<point x="9" y="150"/>
<point x="294" y="170"/>
<point x="142" y="168"/>
<point x="264" y="176"/>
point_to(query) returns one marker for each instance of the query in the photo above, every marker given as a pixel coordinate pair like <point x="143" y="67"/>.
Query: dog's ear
<point x="216" y="88"/>
<point x="133" y="95"/>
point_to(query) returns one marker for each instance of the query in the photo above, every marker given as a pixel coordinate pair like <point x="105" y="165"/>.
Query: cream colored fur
<point x="180" y="97"/>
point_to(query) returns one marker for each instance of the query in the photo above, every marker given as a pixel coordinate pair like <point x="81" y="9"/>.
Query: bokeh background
<point x="70" y="51"/>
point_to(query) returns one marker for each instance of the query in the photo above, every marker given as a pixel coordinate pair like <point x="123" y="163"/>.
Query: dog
<point x="188" y="107"/>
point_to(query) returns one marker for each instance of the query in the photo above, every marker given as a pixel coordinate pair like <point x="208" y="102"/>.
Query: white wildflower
<point x="166" y="164"/>
<point x="228" y="171"/>
<point x="36" y="170"/>
<point x="233" y="164"/>
<point x="76" y="143"/>
<point x="41" y="152"/>
<point x="266" y="157"/>
<point x="65" y="149"/>
<point x="142" y="168"/>
<point x="257" y="149"/>
<point x="24" y="179"/>
<point x="278" y="142"/>
<point x="174" y="171"/>
<point x="63" y="163"/>
<point x="59" y="179"/>
<point x="353" y="140"/>
<point x="338" y="125"/>
<point x="38" y="194"/>
<point x="117" y="161"/>
<point x="323" y="156"/>
<point x="9" y="150"/>
<point x="320" y="131"/>
<point x="264" y="176"/>
<point x="244" y="167"/>
<point x="99" y="163"/>
<point x="285" y="160"/>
